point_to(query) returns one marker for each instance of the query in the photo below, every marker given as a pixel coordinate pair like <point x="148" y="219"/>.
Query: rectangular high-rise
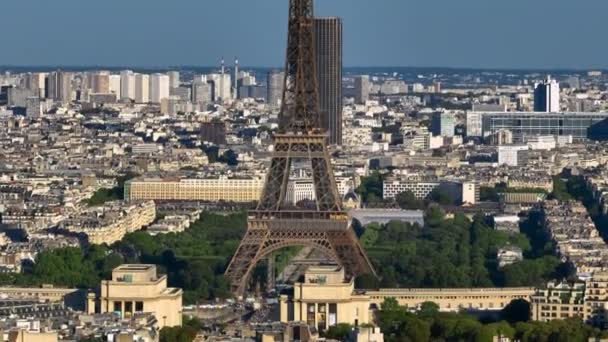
<point x="174" y="80"/>
<point x="159" y="87"/>
<point x="546" y="96"/>
<point x="328" y="55"/>
<point x="443" y="124"/>
<point x="275" y="83"/>
<point x="362" y="87"/>
<point x="142" y="88"/>
<point x="60" y="86"/>
<point x="127" y="85"/>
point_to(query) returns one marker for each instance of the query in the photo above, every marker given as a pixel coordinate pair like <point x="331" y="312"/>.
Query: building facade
<point x="325" y="299"/>
<point x="111" y="223"/>
<point x="142" y="88"/>
<point x="546" y="96"/>
<point x="526" y="124"/>
<point x="159" y="87"/>
<point x="219" y="189"/>
<point x="328" y="45"/>
<point x="442" y="124"/>
<point x="276" y="82"/>
<point x="513" y="155"/>
<point x="127" y="85"/>
<point x="138" y="289"/>
<point x="362" y="88"/>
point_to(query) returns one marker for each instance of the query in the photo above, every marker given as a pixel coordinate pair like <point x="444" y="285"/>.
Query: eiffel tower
<point x="273" y="225"/>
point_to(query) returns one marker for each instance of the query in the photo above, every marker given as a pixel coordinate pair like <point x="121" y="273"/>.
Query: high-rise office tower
<point x="142" y="88"/>
<point x="115" y="85"/>
<point x="221" y="86"/>
<point x="127" y="85"/>
<point x="159" y="87"/>
<point x="201" y="93"/>
<point x="60" y="86"/>
<point x="328" y="54"/>
<point x="35" y="81"/>
<point x="362" y="87"/>
<point x="442" y="124"/>
<point x="546" y="96"/>
<point x="174" y="79"/>
<point x="276" y="82"/>
<point x="99" y="82"/>
<point x="65" y="87"/>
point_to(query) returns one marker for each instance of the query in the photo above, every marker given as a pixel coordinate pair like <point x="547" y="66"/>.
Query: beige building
<point x="137" y="288"/>
<point x="587" y="301"/>
<point x="219" y="189"/>
<point x="558" y="301"/>
<point x="45" y="293"/>
<point x="325" y="299"/>
<point x="596" y="300"/>
<point x="111" y="223"/>
<point x="28" y="336"/>
<point x="453" y="300"/>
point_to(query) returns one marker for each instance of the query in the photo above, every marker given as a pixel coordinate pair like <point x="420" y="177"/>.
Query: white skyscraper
<point x="127" y="85"/>
<point x="142" y="88"/>
<point x="115" y="85"/>
<point x="221" y="85"/>
<point x="36" y="82"/>
<point x="159" y="87"/>
<point x="174" y="79"/>
<point x="546" y="96"/>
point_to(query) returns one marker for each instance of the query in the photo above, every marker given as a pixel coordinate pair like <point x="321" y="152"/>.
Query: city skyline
<point x="197" y="38"/>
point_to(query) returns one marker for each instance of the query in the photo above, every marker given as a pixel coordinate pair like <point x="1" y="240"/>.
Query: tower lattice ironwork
<point x="273" y="225"/>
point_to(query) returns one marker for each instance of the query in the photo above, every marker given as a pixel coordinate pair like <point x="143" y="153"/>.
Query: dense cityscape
<point x="314" y="202"/>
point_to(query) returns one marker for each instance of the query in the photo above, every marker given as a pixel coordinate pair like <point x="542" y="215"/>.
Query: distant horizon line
<point x="244" y="67"/>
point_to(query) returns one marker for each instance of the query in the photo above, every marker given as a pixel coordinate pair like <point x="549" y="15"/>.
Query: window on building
<point x="117" y="306"/>
<point x="139" y="306"/>
<point x="129" y="307"/>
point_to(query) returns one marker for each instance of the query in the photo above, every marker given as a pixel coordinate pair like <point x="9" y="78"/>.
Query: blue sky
<point x="452" y="33"/>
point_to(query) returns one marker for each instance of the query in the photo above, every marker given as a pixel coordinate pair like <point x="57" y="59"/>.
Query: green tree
<point x="407" y="200"/>
<point x="442" y="197"/>
<point x="428" y="310"/>
<point x="339" y="332"/>
<point x="516" y="311"/>
<point x="371" y="188"/>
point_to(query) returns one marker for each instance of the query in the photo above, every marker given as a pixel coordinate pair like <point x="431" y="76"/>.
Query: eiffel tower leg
<point x="240" y="267"/>
<point x="350" y="254"/>
<point x="271" y="275"/>
<point x="276" y="181"/>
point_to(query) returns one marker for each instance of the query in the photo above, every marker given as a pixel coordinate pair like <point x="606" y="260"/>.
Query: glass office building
<point x="525" y="124"/>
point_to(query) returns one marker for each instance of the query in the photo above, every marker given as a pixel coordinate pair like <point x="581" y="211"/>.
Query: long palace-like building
<point x="325" y="298"/>
<point x="213" y="189"/>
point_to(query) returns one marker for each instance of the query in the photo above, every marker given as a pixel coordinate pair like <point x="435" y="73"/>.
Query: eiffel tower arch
<point x="274" y="225"/>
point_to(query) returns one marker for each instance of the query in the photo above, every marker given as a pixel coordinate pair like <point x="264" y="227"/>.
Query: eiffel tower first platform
<point x="273" y="225"/>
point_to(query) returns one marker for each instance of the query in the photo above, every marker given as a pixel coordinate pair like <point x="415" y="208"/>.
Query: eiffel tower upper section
<point x="300" y="107"/>
<point x="300" y="135"/>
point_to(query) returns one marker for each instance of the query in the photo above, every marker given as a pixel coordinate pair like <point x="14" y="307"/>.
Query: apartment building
<point x="111" y="223"/>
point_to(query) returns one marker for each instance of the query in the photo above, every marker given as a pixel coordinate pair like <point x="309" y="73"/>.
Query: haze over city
<point x="545" y="34"/>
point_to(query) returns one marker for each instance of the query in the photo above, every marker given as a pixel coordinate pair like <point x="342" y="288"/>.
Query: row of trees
<point x="428" y="324"/>
<point x="454" y="252"/>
